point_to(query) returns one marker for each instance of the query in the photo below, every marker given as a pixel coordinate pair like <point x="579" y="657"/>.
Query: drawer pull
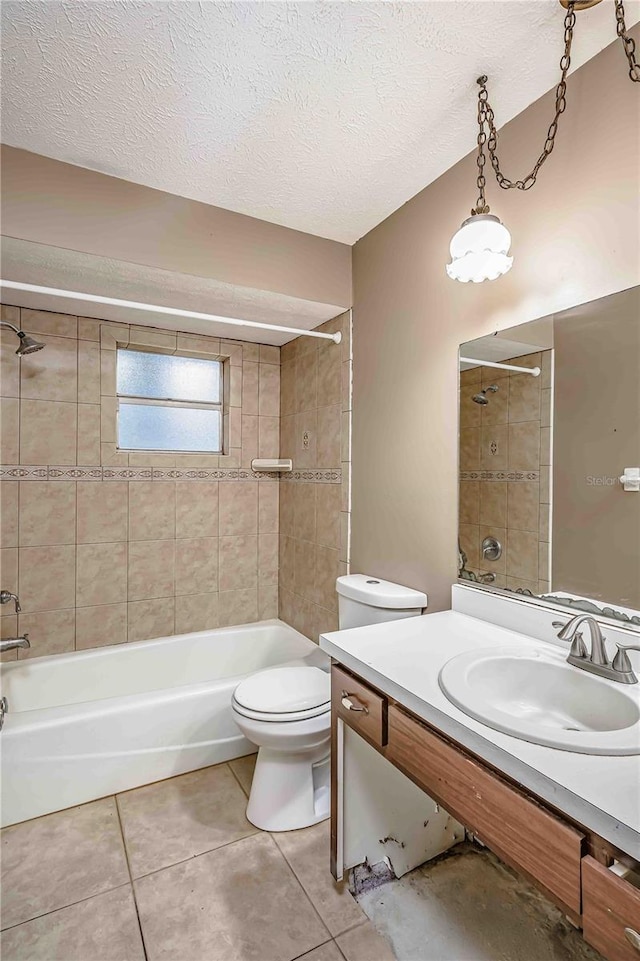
<point x="633" y="938"/>
<point x="349" y="704"/>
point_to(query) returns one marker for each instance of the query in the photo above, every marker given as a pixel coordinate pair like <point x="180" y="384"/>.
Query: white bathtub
<point x="84" y="725"/>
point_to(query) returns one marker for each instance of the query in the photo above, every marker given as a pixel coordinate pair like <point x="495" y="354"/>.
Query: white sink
<point x="533" y="694"/>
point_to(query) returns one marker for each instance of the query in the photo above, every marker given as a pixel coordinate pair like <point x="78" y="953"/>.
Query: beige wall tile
<point x="268" y="436"/>
<point x="524" y="445"/>
<point x="524" y="398"/>
<point x="238" y="562"/>
<point x="545" y="485"/>
<point x="151" y="569"/>
<point x="152" y="510"/>
<point x="286" y="561"/>
<point x="269" y="354"/>
<point x="88" y="328"/>
<point x="288" y="351"/>
<point x="196" y="509"/>
<point x="329" y="437"/>
<point x="196" y="612"/>
<point x="494" y="449"/>
<point x="10" y="431"/>
<point x="543" y="561"/>
<point x="51" y="374"/>
<point x="268" y="502"/>
<point x="48" y="513"/>
<point x="522" y="559"/>
<point x="329" y="375"/>
<point x="197" y="345"/>
<point x="163" y="341"/>
<point x="470" y="448"/>
<point x="233" y="350"/>
<point x="50" y="632"/>
<point x="326" y="573"/>
<point x="235" y="427"/>
<point x="101" y="575"/>
<point x="304" y="511"/>
<point x="152" y="459"/>
<point x="238" y="607"/>
<point x="546" y="401"/>
<point x="288" y="388"/>
<point x="249" y="438"/>
<point x="304" y="559"/>
<point x="108" y="419"/>
<point x="110" y="456"/>
<point x="545" y="445"/>
<point x="287" y="499"/>
<point x="100" y="626"/>
<point x="48" y="322"/>
<point x="268" y="559"/>
<point x="89" y="451"/>
<point x="269" y="393"/>
<point x="235" y="386"/>
<point x="102" y="512"/>
<point x="547" y="368"/>
<point x="47" y="578"/>
<point x="267" y="601"/>
<point x="544" y="521"/>
<point x="9" y="574"/>
<point x="197" y="565"/>
<point x="306" y="396"/>
<point x="498" y="566"/>
<point x="9" y="514"/>
<point x="469" y="502"/>
<point x="251" y="353"/>
<point x="470" y="413"/>
<point x="469" y="535"/>
<point x="523" y="506"/>
<point x="470" y="377"/>
<point x="250" y="386"/>
<point x="238" y="508"/>
<point x="8" y="628"/>
<point x="48" y="432"/>
<point x="493" y="503"/>
<point x="9" y="363"/>
<point x="328" y="507"/>
<point x="150" y="618"/>
<point x="108" y="373"/>
<point x="497" y="410"/>
<point x="305" y="423"/>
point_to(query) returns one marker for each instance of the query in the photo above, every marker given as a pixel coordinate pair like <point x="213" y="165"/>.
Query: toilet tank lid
<point x="377" y="593"/>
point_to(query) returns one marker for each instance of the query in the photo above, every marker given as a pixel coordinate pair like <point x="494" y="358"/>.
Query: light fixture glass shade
<point x="479" y="250"/>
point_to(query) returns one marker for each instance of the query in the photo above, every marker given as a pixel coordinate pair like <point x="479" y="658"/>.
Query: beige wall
<point x="596" y="526"/>
<point x="576" y="238"/>
<point x="505" y="457"/>
<point x="50" y="202"/>
<point x="103" y="546"/>
<point x="314" y="498"/>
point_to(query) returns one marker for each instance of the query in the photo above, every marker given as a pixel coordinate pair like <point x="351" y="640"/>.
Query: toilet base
<point x="290" y="791"/>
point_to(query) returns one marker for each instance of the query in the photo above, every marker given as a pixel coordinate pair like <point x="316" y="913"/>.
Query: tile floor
<point x="174" y="870"/>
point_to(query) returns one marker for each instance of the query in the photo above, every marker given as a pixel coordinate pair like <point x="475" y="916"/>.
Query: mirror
<point x="543" y="447"/>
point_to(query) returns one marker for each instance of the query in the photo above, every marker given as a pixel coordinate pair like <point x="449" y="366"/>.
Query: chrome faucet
<point x="12" y="643"/>
<point x="6" y="596"/>
<point x="596" y="662"/>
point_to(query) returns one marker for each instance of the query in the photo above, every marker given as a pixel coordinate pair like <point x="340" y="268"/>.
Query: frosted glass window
<point x="168" y="402"/>
<point x="168" y="376"/>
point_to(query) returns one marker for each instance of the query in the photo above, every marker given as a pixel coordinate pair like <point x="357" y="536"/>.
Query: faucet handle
<point x="621" y="660"/>
<point x="578" y="646"/>
<point x="6" y="596"/>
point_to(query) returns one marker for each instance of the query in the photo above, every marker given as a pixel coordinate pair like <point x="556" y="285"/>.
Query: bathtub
<point x="84" y="725"/>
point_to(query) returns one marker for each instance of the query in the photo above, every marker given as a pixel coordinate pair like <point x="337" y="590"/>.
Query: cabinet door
<point x="517" y="829"/>
<point x="611" y="913"/>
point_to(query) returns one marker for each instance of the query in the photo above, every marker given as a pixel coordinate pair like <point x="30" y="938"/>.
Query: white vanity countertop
<point x="404" y="658"/>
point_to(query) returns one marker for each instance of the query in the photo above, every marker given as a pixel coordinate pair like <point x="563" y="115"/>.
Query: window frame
<point x="145" y="400"/>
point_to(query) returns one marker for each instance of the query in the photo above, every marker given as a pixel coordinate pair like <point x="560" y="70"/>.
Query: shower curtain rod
<point x="172" y="311"/>
<point x="534" y="371"/>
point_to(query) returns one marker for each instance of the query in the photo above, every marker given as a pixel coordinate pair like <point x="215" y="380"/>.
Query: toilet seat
<point x="284" y="694"/>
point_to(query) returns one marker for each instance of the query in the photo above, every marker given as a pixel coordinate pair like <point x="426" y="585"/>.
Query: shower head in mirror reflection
<point x="482" y="398"/>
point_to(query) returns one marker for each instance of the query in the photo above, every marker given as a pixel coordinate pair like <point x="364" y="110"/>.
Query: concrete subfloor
<point x="468" y="906"/>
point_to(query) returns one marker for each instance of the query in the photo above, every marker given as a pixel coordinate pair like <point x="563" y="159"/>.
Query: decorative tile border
<point x="514" y="476"/>
<point x="19" y="472"/>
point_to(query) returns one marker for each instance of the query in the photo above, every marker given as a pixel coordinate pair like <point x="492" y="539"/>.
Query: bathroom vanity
<point x="569" y="821"/>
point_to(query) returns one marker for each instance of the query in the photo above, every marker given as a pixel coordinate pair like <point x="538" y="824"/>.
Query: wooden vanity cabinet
<point x="560" y="857"/>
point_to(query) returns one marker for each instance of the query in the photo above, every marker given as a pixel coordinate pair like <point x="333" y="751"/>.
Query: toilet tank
<point x="363" y="599"/>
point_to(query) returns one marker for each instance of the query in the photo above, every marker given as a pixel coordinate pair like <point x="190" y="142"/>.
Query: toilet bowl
<point x="286" y="712"/>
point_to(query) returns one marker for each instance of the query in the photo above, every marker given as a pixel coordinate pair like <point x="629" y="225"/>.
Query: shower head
<point x="482" y="398"/>
<point x="27" y="345"/>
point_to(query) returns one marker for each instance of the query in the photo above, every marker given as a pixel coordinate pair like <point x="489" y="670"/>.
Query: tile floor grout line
<point x="300" y="884"/>
<point x="242" y="787"/>
<point x="71" y="904"/>
<point x="193" y="857"/>
<point x="300" y="957"/>
<point x="133" y="890"/>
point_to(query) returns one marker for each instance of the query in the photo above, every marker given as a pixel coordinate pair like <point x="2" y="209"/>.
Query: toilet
<point x="286" y="712"/>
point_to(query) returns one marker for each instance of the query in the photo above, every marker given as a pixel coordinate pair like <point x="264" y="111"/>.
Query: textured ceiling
<point x="322" y="116"/>
<point x="47" y="266"/>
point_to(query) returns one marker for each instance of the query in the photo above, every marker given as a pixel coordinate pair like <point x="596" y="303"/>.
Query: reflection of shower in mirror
<point x="482" y="398"/>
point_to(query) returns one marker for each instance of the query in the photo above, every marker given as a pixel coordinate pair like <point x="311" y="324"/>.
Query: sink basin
<point x="534" y="695"/>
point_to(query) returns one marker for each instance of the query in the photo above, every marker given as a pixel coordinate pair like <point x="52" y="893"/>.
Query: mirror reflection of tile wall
<point x="505" y="457"/>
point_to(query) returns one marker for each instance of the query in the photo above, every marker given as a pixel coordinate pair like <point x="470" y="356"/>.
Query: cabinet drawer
<point x="517" y="829"/>
<point x="359" y="706"/>
<point x="610" y="913"/>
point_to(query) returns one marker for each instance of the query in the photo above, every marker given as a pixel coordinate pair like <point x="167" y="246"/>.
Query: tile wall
<point x="505" y="457"/>
<point x="105" y="547"/>
<point x="315" y="431"/>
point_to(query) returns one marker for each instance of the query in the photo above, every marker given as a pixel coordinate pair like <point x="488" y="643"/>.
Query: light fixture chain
<point x="627" y="42"/>
<point x="561" y="103"/>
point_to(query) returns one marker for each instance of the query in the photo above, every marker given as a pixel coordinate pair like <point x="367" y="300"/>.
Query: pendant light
<point x="480" y="248"/>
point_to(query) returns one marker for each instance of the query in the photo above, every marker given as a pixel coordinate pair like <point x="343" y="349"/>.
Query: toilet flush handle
<point x="348" y="703"/>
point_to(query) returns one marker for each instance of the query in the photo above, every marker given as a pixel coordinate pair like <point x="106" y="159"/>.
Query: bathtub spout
<point x="11" y="643"/>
